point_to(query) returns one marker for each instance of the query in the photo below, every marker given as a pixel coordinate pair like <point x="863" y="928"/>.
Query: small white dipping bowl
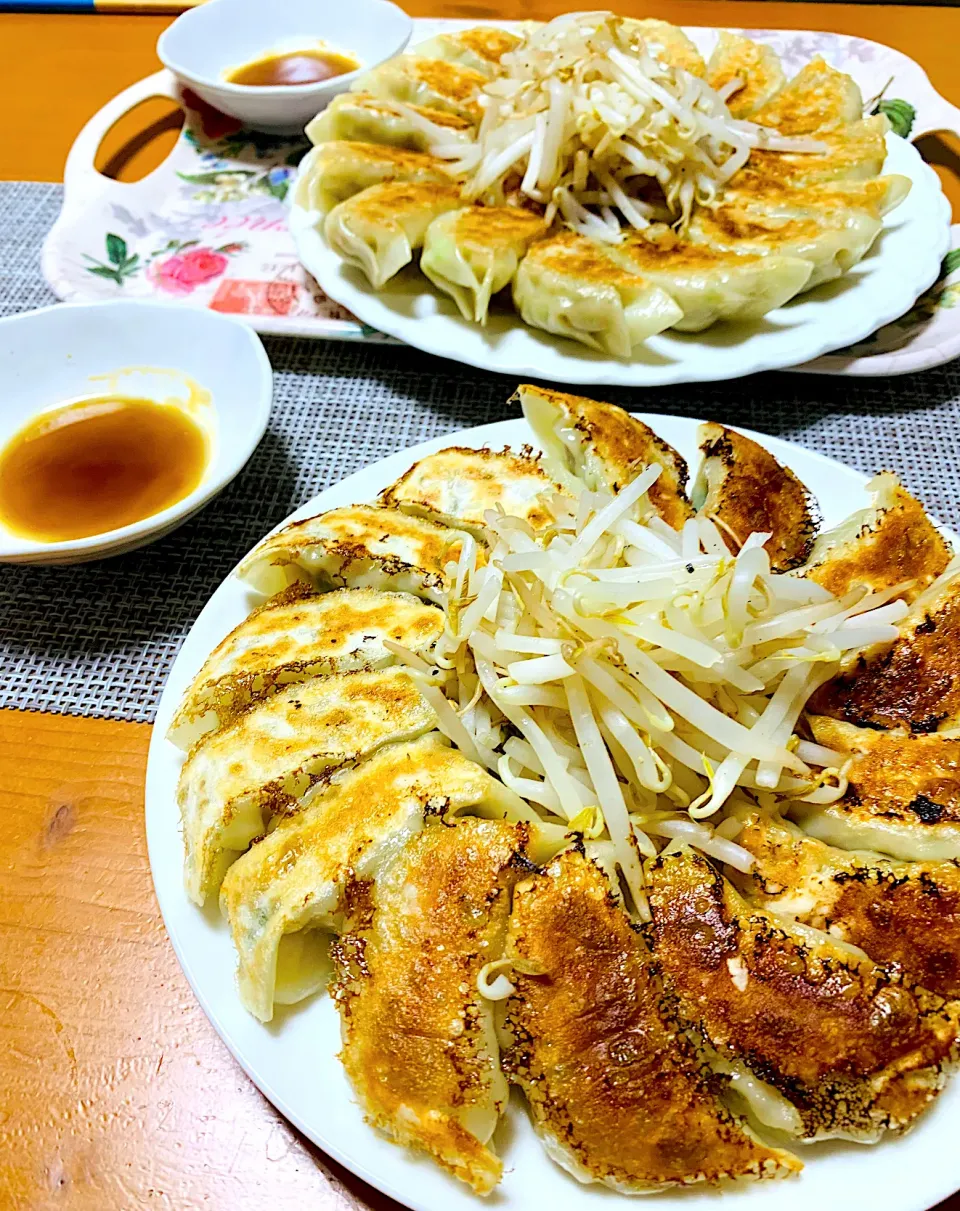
<point x="213" y="366"/>
<point x="206" y="43"/>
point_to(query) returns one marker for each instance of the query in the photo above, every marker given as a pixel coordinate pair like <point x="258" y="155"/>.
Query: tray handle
<point x="80" y="176"/>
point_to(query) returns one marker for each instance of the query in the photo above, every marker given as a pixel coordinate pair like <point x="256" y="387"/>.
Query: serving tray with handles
<point x="208" y="227"/>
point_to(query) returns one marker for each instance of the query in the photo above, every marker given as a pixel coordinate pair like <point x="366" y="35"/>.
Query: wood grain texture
<point x="115" y="1092"/>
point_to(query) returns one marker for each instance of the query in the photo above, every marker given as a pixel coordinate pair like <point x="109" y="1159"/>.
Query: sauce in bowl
<point x="96" y="465"/>
<point x="308" y="66"/>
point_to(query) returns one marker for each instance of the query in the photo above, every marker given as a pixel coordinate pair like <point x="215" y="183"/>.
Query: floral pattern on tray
<point x="209" y="228"/>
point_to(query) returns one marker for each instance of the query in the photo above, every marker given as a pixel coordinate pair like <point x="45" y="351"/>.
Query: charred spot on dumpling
<point x="927" y="811"/>
<point x="904" y="913"/>
<point x="744" y="490"/>
<point x="854" y="1047"/>
<point x="615" y="1089"/>
<point x="902" y="796"/>
<point x="915" y="682"/>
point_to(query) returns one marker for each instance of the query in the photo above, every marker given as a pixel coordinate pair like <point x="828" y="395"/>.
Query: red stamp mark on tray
<point x="246" y="296"/>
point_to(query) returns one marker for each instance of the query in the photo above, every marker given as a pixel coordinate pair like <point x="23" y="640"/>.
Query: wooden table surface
<point x="115" y="1092"/>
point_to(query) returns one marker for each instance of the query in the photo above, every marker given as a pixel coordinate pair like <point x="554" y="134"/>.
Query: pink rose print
<point x="184" y="271"/>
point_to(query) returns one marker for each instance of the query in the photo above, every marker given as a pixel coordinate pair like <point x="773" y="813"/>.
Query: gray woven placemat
<point x="99" y="639"/>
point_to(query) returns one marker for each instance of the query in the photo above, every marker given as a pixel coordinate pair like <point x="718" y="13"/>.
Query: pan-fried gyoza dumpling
<point x="459" y="486"/>
<point x="898" y="912"/>
<point x="433" y="83"/>
<point x="666" y="42"/>
<point x="599" y="446"/>
<point x="712" y="286"/>
<point x="474" y="252"/>
<point x="566" y="285"/>
<point x="479" y="49"/>
<point x="297" y="635"/>
<point x="283" y="896"/>
<point x="875" y="197"/>
<point x="360" y="547"/>
<point x="855" y="1049"/>
<point x="755" y="67"/>
<point x="419" y="1044"/>
<point x="885" y="544"/>
<point x="914" y="682"/>
<point x="615" y="1090"/>
<point x="743" y="488"/>
<point x="903" y="796"/>
<point x="361" y="118"/>
<point x="833" y="242"/>
<point x="246" y="775"/>
<point x="378" y="229"/>
<point x="855" y="153"/>
<point x="333" y="172"/>
<point x="817" y="98"/>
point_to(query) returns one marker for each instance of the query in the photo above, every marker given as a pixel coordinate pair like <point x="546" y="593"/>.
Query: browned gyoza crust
<point x="459" y="486"/>
<point x="418" y="1039"/>
<point x="299" y="634"/>
<point x="613" y="1086"/>
<point x="856" y="1048"/>
<point x="622" y="444"/>
<point x="891" y="543"/>
<point x="915" y="683"/>
<point x="898" y="912"/>
<point x="358" y="545"/>
<point x="489" y="44"/>
<point x="746" y="491"/>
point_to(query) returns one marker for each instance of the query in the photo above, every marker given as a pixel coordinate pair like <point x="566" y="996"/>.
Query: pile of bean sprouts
<point x="638" y="684"/>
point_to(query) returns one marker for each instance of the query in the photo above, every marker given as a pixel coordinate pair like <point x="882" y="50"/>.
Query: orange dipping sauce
<point x="96" y="465"/>
<point x="293" y="68"/>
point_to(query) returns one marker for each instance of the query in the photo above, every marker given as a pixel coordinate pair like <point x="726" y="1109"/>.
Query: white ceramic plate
<point x="904" y="261"/>
<point x="260" y="279"/>
<point x="293" y="1060"/>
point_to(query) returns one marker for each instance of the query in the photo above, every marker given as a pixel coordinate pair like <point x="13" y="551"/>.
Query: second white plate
<point x="904" y="261"/>
<point x="293" y="1060"/>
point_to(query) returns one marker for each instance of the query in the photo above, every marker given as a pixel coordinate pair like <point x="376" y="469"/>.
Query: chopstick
<point x="97" y="6"/>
